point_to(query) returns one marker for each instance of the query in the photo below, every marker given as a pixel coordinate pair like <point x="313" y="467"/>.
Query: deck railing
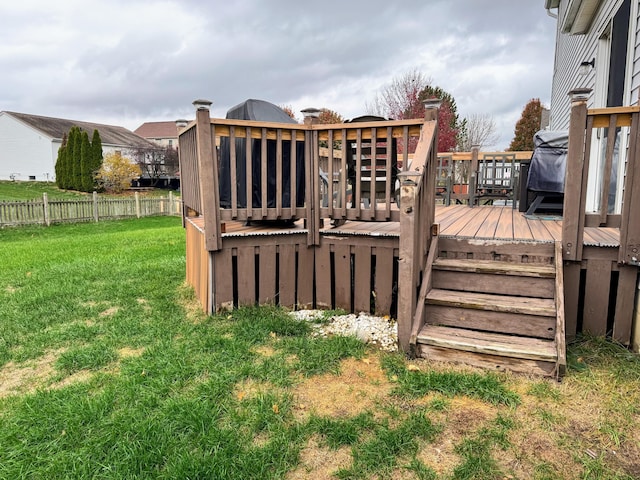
<point x="248" y="170"/>
<point x="469" y="177"/>
<point x="580" y="173"/>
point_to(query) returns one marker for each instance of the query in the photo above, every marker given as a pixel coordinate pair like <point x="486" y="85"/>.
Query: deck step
<point x="540" y="270"/>
<point x="487" y="343"/>
<point x="495" y="303"/>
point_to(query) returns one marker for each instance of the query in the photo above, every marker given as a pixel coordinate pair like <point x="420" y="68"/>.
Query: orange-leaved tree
<point x="527" y="126"/>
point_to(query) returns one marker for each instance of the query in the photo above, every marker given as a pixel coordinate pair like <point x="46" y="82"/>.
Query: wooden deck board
<point x="505" y="224"/>
<point x="484" y="222"/>
<point x="491" y="343"/>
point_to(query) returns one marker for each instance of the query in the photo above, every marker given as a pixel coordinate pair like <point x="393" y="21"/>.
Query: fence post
<point x="409" y="248"/>
<point x="171" y="206"/>
<point x="45" y="207"/>
<point x="575" y="180"/>
<point x="95" y="206"/>
<point x="137" y="197"/>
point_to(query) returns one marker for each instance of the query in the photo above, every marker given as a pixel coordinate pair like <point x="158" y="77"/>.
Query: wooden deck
<point x="456" y="221"/>
<point x="489" y="223"/>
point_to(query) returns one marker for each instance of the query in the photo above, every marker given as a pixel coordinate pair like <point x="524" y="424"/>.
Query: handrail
<point x="579" y="158"/>
<point x="418" y="320"/>
<point x="417" y="216"/>
<point x="561" y="349"/>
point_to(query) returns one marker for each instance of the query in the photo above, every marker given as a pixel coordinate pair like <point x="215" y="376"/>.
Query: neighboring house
<point x="29" y="143"/>
<point x="164" y="134"/>
<point x="597" y="47"/>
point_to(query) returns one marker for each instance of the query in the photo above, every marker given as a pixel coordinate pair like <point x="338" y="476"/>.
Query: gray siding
<point x="635" y="79"/>
<point x="571" y="50"/>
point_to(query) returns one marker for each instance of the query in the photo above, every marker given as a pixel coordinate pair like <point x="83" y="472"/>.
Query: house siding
<point x="571" y="50"/>
<point x="635" y="75"/>
<point x="24" y="152"/>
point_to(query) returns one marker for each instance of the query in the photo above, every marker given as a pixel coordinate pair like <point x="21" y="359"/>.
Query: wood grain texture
<point x="490" y="321"/>
<point x="493" y="303"/>
<point x="488" y="361"/>
<point x="489" y="343"/>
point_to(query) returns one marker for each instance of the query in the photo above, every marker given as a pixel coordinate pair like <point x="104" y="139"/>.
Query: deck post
<point x="410" y="249"/>
<point x="475" y="152"/>
<point x="575" y="179"/>
<point x="311" y="117"/>
<point x="629" y="252"/>
<point x="208" y="169"/>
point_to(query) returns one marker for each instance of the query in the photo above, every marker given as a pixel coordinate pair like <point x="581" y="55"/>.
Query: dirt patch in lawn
<point x="359" y="387"/>
<point x="320" y="463"/>
<point x="18" y="378"/>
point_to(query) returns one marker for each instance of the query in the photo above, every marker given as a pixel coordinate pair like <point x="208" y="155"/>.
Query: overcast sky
<point x="125" y="62"/>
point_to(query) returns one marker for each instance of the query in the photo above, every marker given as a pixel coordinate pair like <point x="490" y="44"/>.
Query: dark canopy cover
<point x="548" y="162"/>
<point x="267" y="112"/>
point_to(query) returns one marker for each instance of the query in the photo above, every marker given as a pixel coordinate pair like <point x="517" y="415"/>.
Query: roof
<point x="157" y="130"/>
<point x="56" y="128"/>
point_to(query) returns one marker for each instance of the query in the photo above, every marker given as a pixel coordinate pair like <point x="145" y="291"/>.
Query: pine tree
<point x="68" y="159"/>
<point x="60" y="167"/>
<point x="85" y="163"/>
<point x="96" y="156"/>
<point x="76" y="182"/>
<point x="527" y="126"/>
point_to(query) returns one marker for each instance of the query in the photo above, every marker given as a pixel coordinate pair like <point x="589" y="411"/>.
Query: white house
<point x="29" y="143"/>
<point x="597" y="47"/>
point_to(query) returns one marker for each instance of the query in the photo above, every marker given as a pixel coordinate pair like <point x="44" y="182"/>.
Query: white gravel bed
<point x="379" y="331"/>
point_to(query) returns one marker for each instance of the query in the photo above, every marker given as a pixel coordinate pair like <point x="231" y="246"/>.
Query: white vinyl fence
<point x="45" y="212"/>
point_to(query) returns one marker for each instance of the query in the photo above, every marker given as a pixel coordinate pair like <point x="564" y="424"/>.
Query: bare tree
<point x="156" y="162"/>
<point x="478" y="129"/>
<point x="400" y="98"/>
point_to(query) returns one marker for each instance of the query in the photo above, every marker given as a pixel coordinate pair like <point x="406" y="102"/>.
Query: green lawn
<point x="108" y="369"/>
<point x="33" y="190"/>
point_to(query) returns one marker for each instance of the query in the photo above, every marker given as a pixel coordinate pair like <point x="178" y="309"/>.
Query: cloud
<point x="126" y="62"/>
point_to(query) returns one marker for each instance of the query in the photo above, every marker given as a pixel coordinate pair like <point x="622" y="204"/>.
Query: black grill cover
<point x="260" y="110"/>
<point x="548" y="162"/>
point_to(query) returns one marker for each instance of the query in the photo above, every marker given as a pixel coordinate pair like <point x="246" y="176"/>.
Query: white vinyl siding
<point x="571" y="50"/>
<point x="24" y="152"/>
<point x="635" y="75"/>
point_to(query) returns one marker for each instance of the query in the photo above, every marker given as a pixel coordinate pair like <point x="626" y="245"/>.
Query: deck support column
<point x="575" y="181"/>
<point x="410" y="249"/>
<point x="312" y="173"/>
<point x="208" y="169"/>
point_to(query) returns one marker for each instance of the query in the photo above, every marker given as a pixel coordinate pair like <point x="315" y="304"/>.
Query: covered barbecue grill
<point x="262" y="111"/>
<point x="547" y="169"/>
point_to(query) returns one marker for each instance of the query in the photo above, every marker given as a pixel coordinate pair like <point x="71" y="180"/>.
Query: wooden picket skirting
<point x="598" y="292"/>
<point x="44" y="211"/>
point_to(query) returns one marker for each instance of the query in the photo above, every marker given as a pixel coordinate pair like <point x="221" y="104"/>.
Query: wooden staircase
<point x="493" y="304"/>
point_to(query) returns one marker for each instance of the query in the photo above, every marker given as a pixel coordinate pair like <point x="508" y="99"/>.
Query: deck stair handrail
<point x="581" y="132"/>
<point x="418" y="233"/>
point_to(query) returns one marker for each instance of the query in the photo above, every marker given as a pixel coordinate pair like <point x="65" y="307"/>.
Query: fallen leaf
<point x="366" y="360"/>
<point x="241" y="395"/>
<point x="413" y="368"/>
<point x="275" y="408"/>
<point x="272" y="334"/>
